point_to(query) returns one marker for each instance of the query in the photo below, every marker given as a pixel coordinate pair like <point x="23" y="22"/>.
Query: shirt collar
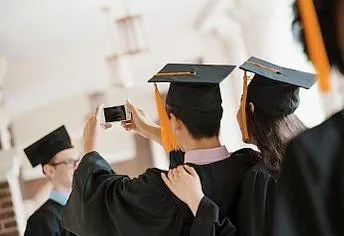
<point x="206" y="156"/>
<point x="59" y="197"/>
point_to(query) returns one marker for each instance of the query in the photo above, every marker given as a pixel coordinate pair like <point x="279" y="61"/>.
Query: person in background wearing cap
<point x="59" y="159"/>
<point x="265" y="121"/>
<point x="103" y="202"/>
<point x="311" y="196"/>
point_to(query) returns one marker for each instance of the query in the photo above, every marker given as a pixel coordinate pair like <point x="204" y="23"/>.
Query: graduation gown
<point x="46" y="221"/>
<point x="103" y="202"/>
<point x="311" y="195"/>
<point x="254" y="213"/>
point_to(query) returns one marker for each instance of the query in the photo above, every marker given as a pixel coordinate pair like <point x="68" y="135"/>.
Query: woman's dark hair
<point x="199" y="124"/>
<point x="327" y="14"/>
<point x="271" y="134"/>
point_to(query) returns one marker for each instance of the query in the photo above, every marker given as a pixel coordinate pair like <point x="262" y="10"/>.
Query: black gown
<point x="46" y="221"/>
<point x="105" y="203"/>
<point x="311" y="196"/>
<point x="254" y="213"/>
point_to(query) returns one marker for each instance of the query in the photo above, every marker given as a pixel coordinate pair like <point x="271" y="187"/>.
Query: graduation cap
<point x="273" y="90"/>
<point x="315" y="42"/>
<point x="194" y="87"/>
<point x="47" y="147"/>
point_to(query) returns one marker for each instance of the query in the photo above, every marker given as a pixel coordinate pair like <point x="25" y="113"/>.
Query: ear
<point x="48" y="170"/>
<point x="175" y="122"/>
<point x="251" y="106"/>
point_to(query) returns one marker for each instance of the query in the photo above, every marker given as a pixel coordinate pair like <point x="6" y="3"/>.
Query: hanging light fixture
<point x="131" y="35"/>
<point x="127" y="32"/>
<point x="127" y="39"/>
<point x="130" y="30"/>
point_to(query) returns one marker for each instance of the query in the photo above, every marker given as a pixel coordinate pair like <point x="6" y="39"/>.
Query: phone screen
<point x="113" y="114"/>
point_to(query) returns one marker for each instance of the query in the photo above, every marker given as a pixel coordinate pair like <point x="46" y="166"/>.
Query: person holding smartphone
<point x="104" y="202"/>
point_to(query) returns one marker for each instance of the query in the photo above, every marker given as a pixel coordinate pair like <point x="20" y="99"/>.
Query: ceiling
<point x="57" y="49"/>
<point x="45" y="27"/>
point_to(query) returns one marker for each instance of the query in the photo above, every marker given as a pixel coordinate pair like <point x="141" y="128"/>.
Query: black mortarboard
<point x="193" y="87"/>
<point x="47" y="147"/>
<point x="275" y="89"/>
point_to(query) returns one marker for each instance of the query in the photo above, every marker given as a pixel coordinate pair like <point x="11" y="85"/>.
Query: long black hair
<point x="271" y="134"/>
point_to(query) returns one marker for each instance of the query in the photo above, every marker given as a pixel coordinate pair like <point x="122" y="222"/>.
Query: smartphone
<point x="117" y="113"/>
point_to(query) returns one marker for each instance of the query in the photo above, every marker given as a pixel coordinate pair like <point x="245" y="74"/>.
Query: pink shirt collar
<point x="206" y="156"/>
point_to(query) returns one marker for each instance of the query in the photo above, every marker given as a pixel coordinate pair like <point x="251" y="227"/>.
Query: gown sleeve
<point x="105" y="203"/>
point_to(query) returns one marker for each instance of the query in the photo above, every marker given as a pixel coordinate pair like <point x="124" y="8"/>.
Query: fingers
<point x="96" y="117"/>
<point x="131" y="107"/>
<point x="107" y="125"/>
<point x="84" y="132"/>
<point x="166" y="180"/>
<point x="87" y="123"/>
<point x="123" y="123"/>
<point x="99" y="111"/>
<point x="190" y="170"/>
<point x="89" y="117"/>
<point x="170" y="176"/>
<point x="127" y="125"/>
<point x="141" y="111"/>
<point x="174" y="174"/>
<point x="181" y="171"/>
<point x="136" y="112"/>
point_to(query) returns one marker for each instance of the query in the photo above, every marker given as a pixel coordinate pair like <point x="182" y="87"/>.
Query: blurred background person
<point x="311" y="199"/>
<point x="58" y="158"/>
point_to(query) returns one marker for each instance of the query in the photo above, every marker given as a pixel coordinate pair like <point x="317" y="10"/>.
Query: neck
<point x="62" y="189"/>
<point x="204" y="143"/>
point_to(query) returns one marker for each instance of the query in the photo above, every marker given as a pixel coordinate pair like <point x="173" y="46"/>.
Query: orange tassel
<point x="243" y="108"/>
<point x="169" y="140"/>
<point x="315" y="43"/>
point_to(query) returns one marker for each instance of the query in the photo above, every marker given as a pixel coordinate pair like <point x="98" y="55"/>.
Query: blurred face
<point x="61" y="168"/>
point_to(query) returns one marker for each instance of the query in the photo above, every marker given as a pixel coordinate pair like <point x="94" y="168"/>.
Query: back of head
<point x="194" y="97"/>
<point x="199" y="124"/>
<point x="272" y="133"/>
<point x="198" y="106"/>
<point x="273" y="97"/>
<point x="273" y="123"/>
